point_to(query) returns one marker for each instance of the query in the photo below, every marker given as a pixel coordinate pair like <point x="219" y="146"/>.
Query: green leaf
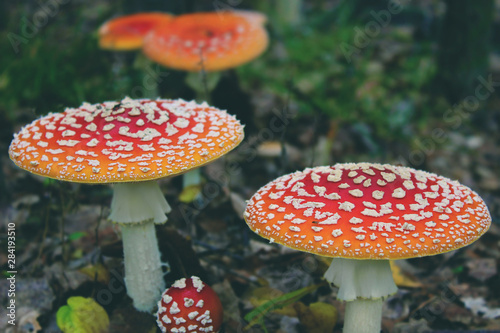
<point x="77" y="235"/>
<point x="319" y="317"/>
<point x="82" y="315"/>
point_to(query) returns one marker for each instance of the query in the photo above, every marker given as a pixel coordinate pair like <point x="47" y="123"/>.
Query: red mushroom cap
<point x="125" y="141"/>
<point x="127" y="32"/>
<point x="189" y="306"/>
<point x="209" y="41"/>
<point x="368" y="211"/>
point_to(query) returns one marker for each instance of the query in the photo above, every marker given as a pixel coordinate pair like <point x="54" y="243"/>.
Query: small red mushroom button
<point x="189" y="305"/>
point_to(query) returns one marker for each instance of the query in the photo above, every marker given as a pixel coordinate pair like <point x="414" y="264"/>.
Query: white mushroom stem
<point x="191" y="178"/>
<point x="363" y="316"/>
<point x="363" y="284"/>
<point x="137" y="207"/>
<point x="143" y="272"/>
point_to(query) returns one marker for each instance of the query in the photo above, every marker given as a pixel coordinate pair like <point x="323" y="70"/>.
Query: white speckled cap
<point x="130" y="140"/>
<point x="189" y="305"/>
<point x="368" y="211"/>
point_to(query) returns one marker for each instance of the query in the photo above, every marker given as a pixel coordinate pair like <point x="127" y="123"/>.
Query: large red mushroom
<point x="364" y="215"/>
<point x="130" y="144"/>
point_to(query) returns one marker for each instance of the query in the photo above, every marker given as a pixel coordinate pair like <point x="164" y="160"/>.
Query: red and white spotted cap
<point x="368" y="211"/>
<point x="130" y="140"/>
<point x="189" y="305"/>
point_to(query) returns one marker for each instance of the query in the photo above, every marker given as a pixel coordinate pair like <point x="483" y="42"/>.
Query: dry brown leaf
<point x="403" y="279"/>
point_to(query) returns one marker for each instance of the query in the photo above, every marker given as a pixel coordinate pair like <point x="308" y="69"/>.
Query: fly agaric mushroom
<point x="211" y="41"/>
<point x="364" y="215"/>
<point x="189" y="305"/>
<point x="127" y="32"/>
<point x="130" y="143"/>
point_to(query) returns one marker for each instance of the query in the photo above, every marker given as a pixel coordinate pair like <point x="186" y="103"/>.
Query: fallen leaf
<point x="190" y="193"/>
<point x="403" y="279"/>
<point x="97" y="271"/>
<point x="482" y="269"/>
<point x="28" y="320"/>
<point x="478" y="306"/>
<point x="228" y="299"/>
<point x="82" y="315"/>
<point x="319" y="317"/>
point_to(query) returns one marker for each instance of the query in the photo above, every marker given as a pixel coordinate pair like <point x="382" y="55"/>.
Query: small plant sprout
<point x="131" y="144"/>
<point x="364" y="215"/>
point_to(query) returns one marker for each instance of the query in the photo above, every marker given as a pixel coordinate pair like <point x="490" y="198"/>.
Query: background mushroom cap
<point x="127" y="32"/>
<point x="189" y="306"/>
<point x="368" y="211"/>
<point x="222" y="39"/>
<point x="131" y="140"/>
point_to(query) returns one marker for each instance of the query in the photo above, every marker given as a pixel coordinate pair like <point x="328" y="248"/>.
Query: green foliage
<point x="76" y="235"/>
<point x="382" y="84"/>
<point x="60" y="65"/>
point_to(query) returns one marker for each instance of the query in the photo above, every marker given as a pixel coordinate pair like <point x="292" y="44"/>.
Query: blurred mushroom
<point x="130" y="143"/>
<point x="127" y="32"/>
<point x="210" y="41"/>
<point x="364" y="215"/>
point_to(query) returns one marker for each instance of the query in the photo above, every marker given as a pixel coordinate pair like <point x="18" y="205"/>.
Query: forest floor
<point x="207" y="237"/>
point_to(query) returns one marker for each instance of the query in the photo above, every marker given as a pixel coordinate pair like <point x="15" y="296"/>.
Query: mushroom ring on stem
<point x="364" y="215"/>
<point x="130" y="143"/>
